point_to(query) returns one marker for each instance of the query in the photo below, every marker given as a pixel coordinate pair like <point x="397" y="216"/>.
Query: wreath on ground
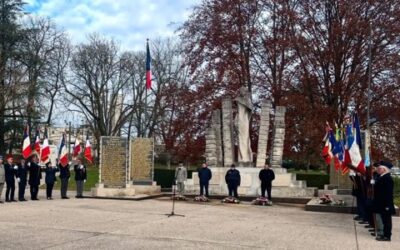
<point x="201" y="198"/>
<point x="179" y="197"/>
<point x="262" y="201"/>
<point x="230" y="200"/>
<point x="327" y="199"/>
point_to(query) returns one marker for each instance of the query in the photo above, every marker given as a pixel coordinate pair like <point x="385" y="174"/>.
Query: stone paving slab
<point x="120" y="224"/>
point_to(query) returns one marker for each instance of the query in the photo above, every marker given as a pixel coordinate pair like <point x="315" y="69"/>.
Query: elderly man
<point x="383" y="199"/>
<point x="80" y="178"/>
<point x="2" y="177"/>
<point x="180" y="178"/>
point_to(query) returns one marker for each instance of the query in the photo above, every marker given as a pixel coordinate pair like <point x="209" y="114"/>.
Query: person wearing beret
<point x="50" y="179"/>
<point x="22" y="177"/>
<point x="2" y="177"/>
<point x="383" y="199"/>
<point x="35" y="174"/>
<point x="11" y="171"/>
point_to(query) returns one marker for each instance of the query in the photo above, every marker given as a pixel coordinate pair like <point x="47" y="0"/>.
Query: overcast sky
<point x="128" y="21"/>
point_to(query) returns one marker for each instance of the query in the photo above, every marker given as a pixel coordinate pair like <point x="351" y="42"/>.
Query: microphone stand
<point x="173" y="202"/>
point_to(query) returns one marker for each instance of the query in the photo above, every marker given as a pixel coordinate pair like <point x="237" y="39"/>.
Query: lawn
<point x="92" y="179"/>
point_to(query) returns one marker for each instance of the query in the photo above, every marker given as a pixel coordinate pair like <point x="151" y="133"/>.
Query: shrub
<point x="314" y="180"/>
<point x="165" y="177"/>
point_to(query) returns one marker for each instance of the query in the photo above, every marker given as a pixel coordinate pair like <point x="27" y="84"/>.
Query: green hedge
<point x="314" y="180"/>
<point x="165" y="177"/>
<point x="396" y="191"/>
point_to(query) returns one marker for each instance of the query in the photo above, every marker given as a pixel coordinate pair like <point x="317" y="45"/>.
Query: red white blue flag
<point x="77" y="147"/>
<point x="37" y="146"/>
<point x="45" y="153"/>
<point x="88" y="150"/>
<point x="63" y="152"/>
<point x="26" y="145"/>
<point x="353" y="145"/>
<point x="148" y="66"/>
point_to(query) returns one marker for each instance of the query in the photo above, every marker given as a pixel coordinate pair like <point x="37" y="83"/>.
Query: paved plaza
<point x="116" y="224"/>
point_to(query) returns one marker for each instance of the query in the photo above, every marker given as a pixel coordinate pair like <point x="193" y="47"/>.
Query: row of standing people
<point x="232" y="179"/>
<point x="374" y="194"/>
<point x="10" y="173"/>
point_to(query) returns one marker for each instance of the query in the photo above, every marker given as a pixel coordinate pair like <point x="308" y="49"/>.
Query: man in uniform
<point x="266" y="176"/>
<point x="180" y="178"/>
<point x="80" y="177"/>
<point x="232" y="179"/>
<point x="35" y="174"/>
<point x="64" y="177"/>
<point x="383" y="199"/>
<point x="205" y="176"/>
<point x="10" y="170"/>
<point x="2" y="177"/>
<point x="21" y="179"/>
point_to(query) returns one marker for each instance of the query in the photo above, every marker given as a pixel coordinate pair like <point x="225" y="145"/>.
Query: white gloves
<point x="15" y="167"/>
<point x="29" y="164"/>
<point x="18" y="180"/>
<point x="81" y="167"/>
<point x="372" y="181"/>
<point x="84" y="181"/>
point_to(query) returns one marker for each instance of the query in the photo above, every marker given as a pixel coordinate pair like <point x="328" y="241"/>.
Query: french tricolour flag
<point x="77" y="147"/>
<point x="88" y="150"/>
<point x="63" y="152"/>
<point x="37" y="146"/>
<point x="45" y="153"/>
<point x="148" y="66"/>
<point x="353" y="147"/>
<point x="26" y="146"/>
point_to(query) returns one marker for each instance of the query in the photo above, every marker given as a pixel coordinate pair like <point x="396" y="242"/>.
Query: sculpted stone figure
<point x="243" y="125"/>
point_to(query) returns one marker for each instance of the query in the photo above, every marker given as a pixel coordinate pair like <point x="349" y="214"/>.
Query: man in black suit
<point x="205" y="176"/>
<point x="64" y="177"/>
<point x="35" y="174"/>
<point x="22" y="178"/>
<point x="232" y="178"/>
<point x="80" y="177"/>
<point x="383" y="199"/>
<point x="266" y="176"/>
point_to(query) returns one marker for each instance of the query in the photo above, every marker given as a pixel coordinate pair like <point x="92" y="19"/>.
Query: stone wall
<point x="113" y="161"/>
<point x="278" y="137"/>
<point x="227" y="132"/>
<point x="263" y="133"/>
<point x="141" y="158"/>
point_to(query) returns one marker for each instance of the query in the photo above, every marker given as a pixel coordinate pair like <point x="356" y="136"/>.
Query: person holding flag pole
<point x="64" y="167"/>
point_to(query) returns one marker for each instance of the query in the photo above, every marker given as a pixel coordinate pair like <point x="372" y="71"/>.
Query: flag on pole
<point x="45" y="153"/>
<point x="148" y="66"/>
<point x="63" y="152"/>
<point x="88" y="150"/>
<point x="77" y="147"/>
<point x="37" y="146"/>
<point x="327" y="149"/>
<point x="353" y="145"/>
<point x="26" y="145"/>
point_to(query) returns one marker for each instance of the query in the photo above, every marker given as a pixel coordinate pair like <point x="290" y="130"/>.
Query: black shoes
<point x="79" y="196"/>
<point x="49" y="198"/>
<point x="65" y="197"/>
<point x="357" y="218"/>
<point x="21" y="199"/>
<point x="382" y="238"/>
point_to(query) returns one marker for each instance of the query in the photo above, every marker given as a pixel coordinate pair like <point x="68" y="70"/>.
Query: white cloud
<point x="128" y="21"/>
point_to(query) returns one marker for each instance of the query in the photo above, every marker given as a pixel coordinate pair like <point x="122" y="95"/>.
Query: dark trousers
<point x="369" y="212"/>
<point x="204" y="186"/>
<point x="79" y="188"/>
<point x="49" y="189"/>
<point x="387" y="224"/>
<point x="34" y="191"/>
<point x="10" y="191"/>
<point x="64" y="187"/>
<point x="21" y="190"/>
<point x="268" y="187"/>
<point x="361" y="211"/>
<point x="233" y="190"/>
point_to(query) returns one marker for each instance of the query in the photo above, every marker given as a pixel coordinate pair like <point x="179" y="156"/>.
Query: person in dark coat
<point x="383" y="199"/>
<point x="50" y="179"/>
<point x="10" y="171"/>
<point x="35" y="174"/>
<point x="205" y="176"/>
<point x="266" y="176"/>
<point x="64" y="177"/>
<point x="80" y="178"/>
<point x="22" y="177"/>
<point x="359" y="192"/>
<point x="232" y="179"/>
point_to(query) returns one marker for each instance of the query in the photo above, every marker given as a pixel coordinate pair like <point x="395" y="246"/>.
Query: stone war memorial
<point x="222" y="133"/>
<point x="126" y="167"/>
